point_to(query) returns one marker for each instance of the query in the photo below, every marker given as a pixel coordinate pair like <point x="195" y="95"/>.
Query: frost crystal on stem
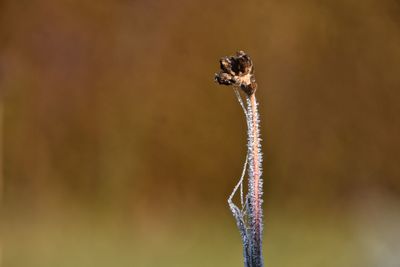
<point x="238" y="71"/>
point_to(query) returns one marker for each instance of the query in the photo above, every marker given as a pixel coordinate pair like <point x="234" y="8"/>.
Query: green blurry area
<point x="118" y="149"/>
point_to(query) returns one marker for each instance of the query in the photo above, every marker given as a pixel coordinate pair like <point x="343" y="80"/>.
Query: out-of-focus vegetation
<point x="119" y="150"/>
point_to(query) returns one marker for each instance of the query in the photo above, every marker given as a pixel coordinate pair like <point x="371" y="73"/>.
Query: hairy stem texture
<point x="255" y="183"/>
<point x="238" y="71"/>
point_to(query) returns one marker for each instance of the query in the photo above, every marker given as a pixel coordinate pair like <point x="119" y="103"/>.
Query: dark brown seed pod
<point x="237" y="70"/>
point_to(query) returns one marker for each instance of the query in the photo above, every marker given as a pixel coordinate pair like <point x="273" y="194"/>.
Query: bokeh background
<point x="118" y="149"/>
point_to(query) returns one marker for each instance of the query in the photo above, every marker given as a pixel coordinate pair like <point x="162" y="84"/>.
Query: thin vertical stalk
<point x="255" y="181"/>
<point x="238" y="71"/>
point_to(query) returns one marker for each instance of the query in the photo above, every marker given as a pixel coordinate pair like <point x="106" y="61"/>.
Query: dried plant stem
<point x="238" y="71"/>
<point x="255" y="181"/>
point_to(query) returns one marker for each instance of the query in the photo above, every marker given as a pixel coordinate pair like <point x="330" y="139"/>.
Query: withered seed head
<point x="238" y="71"/>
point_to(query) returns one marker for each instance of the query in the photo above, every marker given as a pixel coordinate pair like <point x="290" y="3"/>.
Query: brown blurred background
<point x="118" y="149"/>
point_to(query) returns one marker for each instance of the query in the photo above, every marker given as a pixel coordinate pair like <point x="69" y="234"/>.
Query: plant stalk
<point x="238" y="71"/>
<point x="255" y="182"/>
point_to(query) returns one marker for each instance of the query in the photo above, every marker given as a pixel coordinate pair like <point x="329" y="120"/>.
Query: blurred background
<point x="118" y="149"/>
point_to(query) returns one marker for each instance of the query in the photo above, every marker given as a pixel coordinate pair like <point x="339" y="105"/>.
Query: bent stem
<point x="249" y="218"/>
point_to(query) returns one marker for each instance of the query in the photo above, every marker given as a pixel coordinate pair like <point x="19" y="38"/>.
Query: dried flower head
<point x="238" y="71"/>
